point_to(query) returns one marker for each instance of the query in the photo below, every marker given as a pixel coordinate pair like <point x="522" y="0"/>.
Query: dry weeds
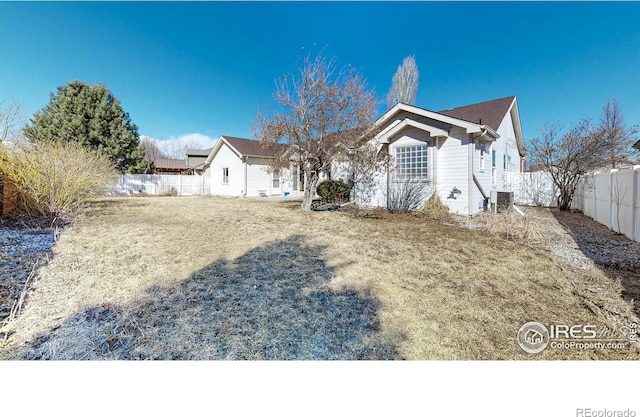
<point x="214" y="278"/>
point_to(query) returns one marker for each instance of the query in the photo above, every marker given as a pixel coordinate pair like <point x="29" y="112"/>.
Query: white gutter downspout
<point x="470" y="175"/>
<point x="471" y="168"/>
<point x="244" y="166"/>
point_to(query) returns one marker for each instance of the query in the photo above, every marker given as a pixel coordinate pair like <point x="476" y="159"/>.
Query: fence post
<point x="595" y="197"/>
<point x="634" y="203"/>
<point x="611" y="216"/>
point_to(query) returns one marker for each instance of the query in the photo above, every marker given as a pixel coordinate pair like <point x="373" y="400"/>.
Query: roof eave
<point x="468" y="126"/>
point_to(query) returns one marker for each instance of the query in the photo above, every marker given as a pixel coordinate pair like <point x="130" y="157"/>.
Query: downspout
<point x="470" y="175"/>
<point x="473" y="180"/>
<point x="244" y="163"/>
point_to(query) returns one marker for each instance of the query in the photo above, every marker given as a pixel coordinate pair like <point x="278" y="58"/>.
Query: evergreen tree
<point x="93" y="117"/>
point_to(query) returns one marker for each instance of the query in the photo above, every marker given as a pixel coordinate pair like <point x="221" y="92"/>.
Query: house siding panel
<point x="507" y="145"/>
<point x="258" y="177"/>
<point x="226" y="158"/>
<point x="453" y="158"/>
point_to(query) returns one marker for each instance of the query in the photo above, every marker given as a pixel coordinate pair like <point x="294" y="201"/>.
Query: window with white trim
<point x="225" y="175"/>
<point x="482" y="152"/>
<point x="276" y="180"/>
<point x="494" y="171"/>
<point x="411" y="162"/>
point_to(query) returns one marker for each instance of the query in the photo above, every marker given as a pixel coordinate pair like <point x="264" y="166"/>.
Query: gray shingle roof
<point x="488" y="113"/>
<point x="248" y="147"/>
<point x="165" y="163"/>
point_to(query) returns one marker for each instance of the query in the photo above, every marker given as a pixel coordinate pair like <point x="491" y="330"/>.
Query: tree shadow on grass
<point x="617" y="256"/>
<point x="272" y="303"/>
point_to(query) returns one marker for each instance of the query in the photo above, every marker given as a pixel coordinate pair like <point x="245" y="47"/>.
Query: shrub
<point x="334" y="192"/>
<point x="55" y="179"/>
<point x="169" y="191"/>
<point x="406" y="196"/>
<point x="435" y="210"/>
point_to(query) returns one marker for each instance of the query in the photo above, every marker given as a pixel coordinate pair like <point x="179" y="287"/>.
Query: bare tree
<point x="321" y="112"/>
<point x="362" y="165"/>
<point x="615" y="133"/>
<point x="152" y="152"/>
<point x="176" y="148"/>
<point x="568" y="156"/>
<point x="404" y="84"/>
<point x="583" y="149"/>
<point x="11" y="121"/>
<point x="618" y="194"/>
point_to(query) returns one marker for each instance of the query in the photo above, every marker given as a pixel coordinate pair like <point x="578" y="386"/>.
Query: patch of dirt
<point x="594" y="243"/>
<point x="20" y="250"/>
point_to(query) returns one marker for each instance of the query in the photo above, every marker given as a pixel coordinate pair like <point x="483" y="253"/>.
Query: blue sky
<point x="205" y="67"/>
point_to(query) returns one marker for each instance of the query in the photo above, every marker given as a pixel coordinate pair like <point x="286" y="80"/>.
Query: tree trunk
<point x="309" y="190"/>
<point x="564" y="200"/>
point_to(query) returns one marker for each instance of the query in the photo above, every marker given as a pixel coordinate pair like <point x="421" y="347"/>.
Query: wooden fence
<point x="152" y="184"/>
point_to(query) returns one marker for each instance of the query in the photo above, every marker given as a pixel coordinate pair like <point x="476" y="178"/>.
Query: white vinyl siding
<point x="226" y="158"/>
<point x="453" y="171"/>
<point x="258" y="177"/>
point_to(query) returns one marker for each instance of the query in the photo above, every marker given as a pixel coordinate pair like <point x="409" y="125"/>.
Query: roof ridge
<point x="476" y="104"/>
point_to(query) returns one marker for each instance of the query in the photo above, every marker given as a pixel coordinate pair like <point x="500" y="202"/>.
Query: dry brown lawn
<point x="213" y="278"/>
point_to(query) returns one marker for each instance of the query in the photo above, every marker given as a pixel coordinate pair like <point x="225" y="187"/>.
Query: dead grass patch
<point x="511" y="225"/>
<point x="213" y="278"/>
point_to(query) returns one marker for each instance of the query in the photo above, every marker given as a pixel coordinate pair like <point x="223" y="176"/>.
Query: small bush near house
<point x="55" y="179"/>
<point x="334" y="192"/>
<point x="407" y="195"/>
<point x="435" y="210"/>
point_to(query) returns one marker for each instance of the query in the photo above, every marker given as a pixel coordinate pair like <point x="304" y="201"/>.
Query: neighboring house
<point x="196" y="159"/>
<point x="171" y="166"/>
<point x="240" y="168"/>
<point x="637" y="145"/>
<point x="463" y="152"/>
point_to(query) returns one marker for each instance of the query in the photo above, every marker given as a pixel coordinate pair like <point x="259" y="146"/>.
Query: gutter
<point x="244" y="163"/>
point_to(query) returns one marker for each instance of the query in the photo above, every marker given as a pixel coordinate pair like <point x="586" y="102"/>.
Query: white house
<point x="463" y="152"/>
<point x="240" y="168"/>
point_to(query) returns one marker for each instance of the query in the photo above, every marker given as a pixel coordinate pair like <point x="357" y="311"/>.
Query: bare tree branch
<point x="11" y="121"/>
<point x="404" y="85"/>
<point x="321" y="112"/>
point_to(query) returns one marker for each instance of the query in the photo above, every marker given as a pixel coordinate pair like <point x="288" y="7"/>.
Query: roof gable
<point x="241" y="147"/>
<point x="247" y="147"/>
<point x="490" y="113"/>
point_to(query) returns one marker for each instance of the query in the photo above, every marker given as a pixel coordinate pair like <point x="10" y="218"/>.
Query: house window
<point x="411" y="162"/>
<point x="225" y="175"/>
<point x="276" y="180"/>
<point x="504" y="162"/>
<point x="482" y="152"/>
<point x="494" y="171"/>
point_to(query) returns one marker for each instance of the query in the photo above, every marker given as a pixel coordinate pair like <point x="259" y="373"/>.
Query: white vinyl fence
<point x="534" y="189"/>
<point x="611" y="198"/>
<point x="129" y="184"/>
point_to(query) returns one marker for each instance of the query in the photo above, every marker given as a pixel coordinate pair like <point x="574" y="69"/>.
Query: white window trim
<point x="494" y="167"/>
<point x="225" y="170"/>
<point x="423" y="151"/>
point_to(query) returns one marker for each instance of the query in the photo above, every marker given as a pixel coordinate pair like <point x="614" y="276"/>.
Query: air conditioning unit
<point x="501" y="200"/>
